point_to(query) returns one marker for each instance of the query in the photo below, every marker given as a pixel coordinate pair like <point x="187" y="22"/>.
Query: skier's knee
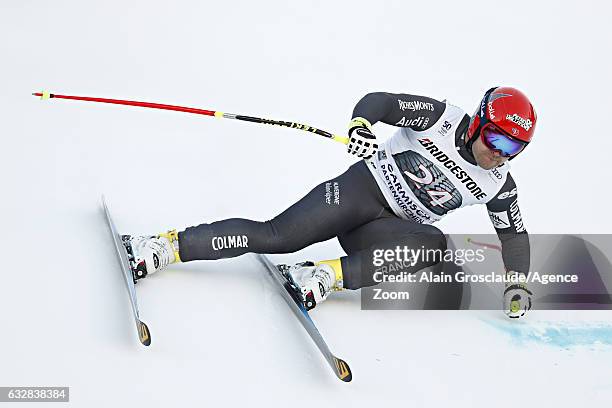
<point x="280" y="242"/>
<point x="429" y="239"/>
<point x="434" y="238"/>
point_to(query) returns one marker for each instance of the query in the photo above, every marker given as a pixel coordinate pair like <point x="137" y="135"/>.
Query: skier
<point x="440" y="159"/>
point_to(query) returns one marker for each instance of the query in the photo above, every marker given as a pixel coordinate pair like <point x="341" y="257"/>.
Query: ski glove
<point x="362" y="142"/>
<point x="517" y="298"/>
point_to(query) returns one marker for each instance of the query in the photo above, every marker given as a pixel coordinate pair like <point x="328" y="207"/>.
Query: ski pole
<point x="484" y="245"/>
<point x="197" y="111"/>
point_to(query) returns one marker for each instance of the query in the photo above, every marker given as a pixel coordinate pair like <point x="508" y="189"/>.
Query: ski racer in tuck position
<point x="440" y="159"/>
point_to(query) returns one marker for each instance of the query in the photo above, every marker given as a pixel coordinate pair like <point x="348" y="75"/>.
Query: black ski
<point x="143" y="331"/>
<point x="339" y="366"/>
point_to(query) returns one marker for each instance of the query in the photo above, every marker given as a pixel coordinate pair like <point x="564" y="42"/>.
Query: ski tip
<point x="144" y="335"/>
<point x="342" y="370"/>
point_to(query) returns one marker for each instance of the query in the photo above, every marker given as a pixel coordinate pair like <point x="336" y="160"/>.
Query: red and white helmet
<point x="509" y="110"/>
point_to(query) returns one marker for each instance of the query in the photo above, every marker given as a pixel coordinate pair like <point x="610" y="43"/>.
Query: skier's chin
<point x="485" y="162"/>
<point x="488" y="166"/>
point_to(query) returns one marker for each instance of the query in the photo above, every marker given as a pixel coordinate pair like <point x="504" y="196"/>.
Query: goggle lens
<point x="495" y="139"/>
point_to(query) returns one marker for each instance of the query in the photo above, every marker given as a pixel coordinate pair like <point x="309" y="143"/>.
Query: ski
<point x="339" y="366"/>
<point x="143" y="331"/>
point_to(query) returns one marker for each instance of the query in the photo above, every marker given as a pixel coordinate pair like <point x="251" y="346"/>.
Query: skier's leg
<point x="331" y="208"/>
<point x="365" y="242"/>
<point x="389" y="234"/>
<point x="317" y="281"/>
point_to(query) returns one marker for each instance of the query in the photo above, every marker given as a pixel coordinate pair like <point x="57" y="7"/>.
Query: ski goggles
<point x="495" y="139"/>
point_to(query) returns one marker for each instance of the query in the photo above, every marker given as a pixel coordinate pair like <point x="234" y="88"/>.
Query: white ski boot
<point x="149" y="254"/>
<point x="314" y="281"/>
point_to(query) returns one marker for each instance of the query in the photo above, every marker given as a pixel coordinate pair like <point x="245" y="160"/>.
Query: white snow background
<point x="220" y="336"/>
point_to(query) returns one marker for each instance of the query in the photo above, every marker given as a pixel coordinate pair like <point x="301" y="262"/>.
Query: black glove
<point x="517" y="298"/>
<point x="362" y="142"/>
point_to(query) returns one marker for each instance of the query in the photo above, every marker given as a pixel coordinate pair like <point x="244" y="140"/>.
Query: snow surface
<point x="220" y="335"/>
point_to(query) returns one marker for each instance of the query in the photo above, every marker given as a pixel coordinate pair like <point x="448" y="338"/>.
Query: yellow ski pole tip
<point x="341" y="139"/>
<point x="43" y="94"/>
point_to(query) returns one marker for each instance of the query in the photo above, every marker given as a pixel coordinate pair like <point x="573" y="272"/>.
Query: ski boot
<point x="149" y="254"/>
<point x="313" y="282"/>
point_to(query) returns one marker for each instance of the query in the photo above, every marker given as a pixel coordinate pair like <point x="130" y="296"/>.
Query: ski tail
<point x="338" y="366"/>
<point x="342" y="369"/>
<point x="144" y="335"/>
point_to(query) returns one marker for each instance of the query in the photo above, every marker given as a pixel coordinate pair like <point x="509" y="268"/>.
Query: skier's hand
<point x="362" y="142"/>
<point x="517" y="298"/>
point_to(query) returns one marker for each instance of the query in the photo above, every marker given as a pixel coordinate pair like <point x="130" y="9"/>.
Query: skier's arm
<point x="413" y="111"/>
<point x="506" y="218"/>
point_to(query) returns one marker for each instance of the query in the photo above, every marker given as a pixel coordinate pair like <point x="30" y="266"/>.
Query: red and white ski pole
<point x="484" y="245"/>
<point x="197" y="111"/>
